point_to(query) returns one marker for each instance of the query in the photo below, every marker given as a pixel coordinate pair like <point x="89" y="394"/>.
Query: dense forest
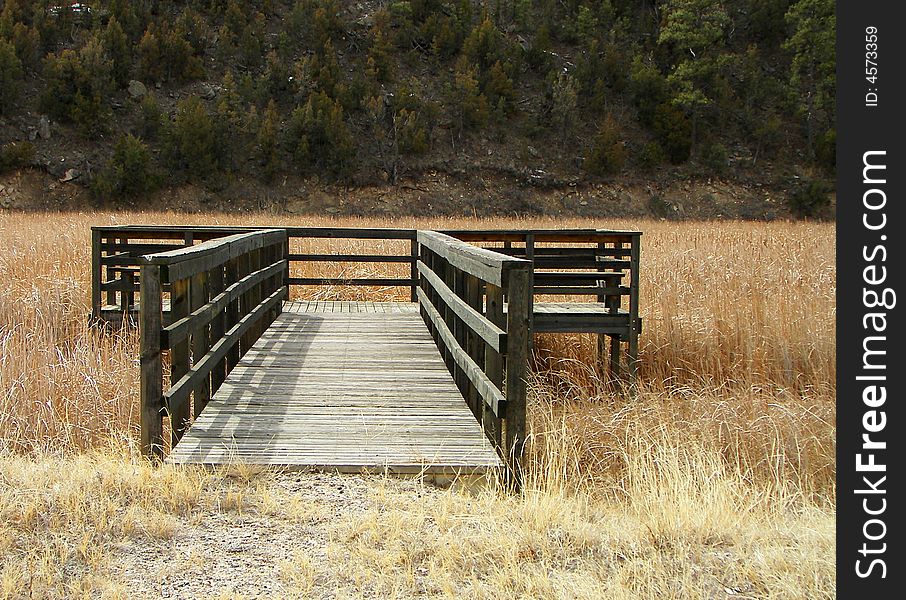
<point x="144" y="94"/>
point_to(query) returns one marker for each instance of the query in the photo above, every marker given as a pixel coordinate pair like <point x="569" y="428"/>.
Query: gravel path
<point x="264" y="537"/>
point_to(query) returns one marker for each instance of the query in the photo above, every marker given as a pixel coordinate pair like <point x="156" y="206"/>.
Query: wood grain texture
<point x="349" y="386"/>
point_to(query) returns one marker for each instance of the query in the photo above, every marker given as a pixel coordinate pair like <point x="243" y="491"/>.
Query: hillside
<point x="684" y="108"/>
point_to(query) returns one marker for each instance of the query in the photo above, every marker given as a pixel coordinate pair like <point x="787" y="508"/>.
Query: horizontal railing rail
<point x="461" y="294"/>
<point x="117" y="252"/>
<point x="223" y="293"/>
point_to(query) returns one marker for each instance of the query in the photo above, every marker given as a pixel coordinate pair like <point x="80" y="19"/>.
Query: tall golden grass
<point x="727" y="446"/>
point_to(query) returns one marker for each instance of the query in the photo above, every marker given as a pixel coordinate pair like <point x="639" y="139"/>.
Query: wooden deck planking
<point x="345" y="386"/>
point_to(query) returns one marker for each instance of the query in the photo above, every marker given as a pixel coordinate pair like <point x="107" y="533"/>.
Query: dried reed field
<point x="716" y="479"/>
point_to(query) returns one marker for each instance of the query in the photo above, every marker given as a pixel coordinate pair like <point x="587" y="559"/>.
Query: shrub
<point x="78" y="86"/>
<point x="151" y="118"/>
<point x="193" y="139"/>
<point x="674" y="132"/>
<point x="15" y="155"/>
<point x="607" y="153"/>
<point x="467" y="104"/>
<point x="319" y="137"/>
<point x="128" y="174"/>
<point x="651" y="156"/>
<point x="10" y="76"/>
<point x="714" y="157"/>
<point x="812" y="199"/>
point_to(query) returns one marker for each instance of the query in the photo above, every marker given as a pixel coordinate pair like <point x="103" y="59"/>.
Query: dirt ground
<point x="479" y="194"/>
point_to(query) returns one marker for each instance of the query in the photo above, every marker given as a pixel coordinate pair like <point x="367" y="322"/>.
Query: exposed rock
<point x="137" y="89"/>
<point x="208" y="92"/>
<point x="44" y="128"/>
<point x="70" y="175"/>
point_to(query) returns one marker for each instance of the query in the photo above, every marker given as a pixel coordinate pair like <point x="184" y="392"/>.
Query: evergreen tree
<point x="319" y="136"/>
<point x="813" y="69"/>
<point x="694" y="29"/>
<point x="193" y="138"/>
<point x="266" y="146"/>
<point x="10" y="76"/>
<point x="130" y="172"/>
<point x="118" y="48"/>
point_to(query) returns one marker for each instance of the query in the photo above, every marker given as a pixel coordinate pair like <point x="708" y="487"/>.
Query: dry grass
<point x="716" y="480"/>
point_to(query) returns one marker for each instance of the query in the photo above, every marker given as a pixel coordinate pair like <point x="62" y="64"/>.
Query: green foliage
<point x="78" y="86"/>
<point x="150" y="67"/>
<point x="607" y="153"/>
<point x="651" y="156"/>
<point x="315" y="21"/>
<point x="694" y="31"/>
<point x="193" y="141"/>
<point x="119" y="50"/>
<point x="562" y="95"/>
<point x="166" y="55"/>
<point x="128" y="174"/>
<point x="486" y="46"/>
<point x="150" y="119"/>
<point x="276" y="80"/>
<point x="319" y="137"/>
<point x="266" y="143"/>
<point x="498" y="88"/>
<point x="25" y="40"/>
<point x="674" y="132"/>
<point x="230" y="120"/>
<point x="812" y="199"/>
<point x="16" y="155"/>
<point x="415" y="119"/>
<point x="649" y="90"/>
<point x="714" y="157"/>
<point x="826" y="151"/>
<point x="813" y="68"/>
<point x="10" y="76"/>
<point x="468" y="105"/>
<point x="380" y="54"/>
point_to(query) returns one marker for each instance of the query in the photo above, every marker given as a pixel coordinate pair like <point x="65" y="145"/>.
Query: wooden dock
<point x="346" y="386"/>
<point x="435" y="384"/>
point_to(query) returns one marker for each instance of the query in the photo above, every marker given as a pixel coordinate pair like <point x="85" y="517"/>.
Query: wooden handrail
<point x="461" y="292"/>
<point x="223" y="294"/>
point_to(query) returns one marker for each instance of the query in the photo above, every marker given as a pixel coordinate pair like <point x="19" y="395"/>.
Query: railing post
<point x="127" y="295"/>
<point x="215" y="285"/>
<point x="151" y="437"/>
<point x="493" y="362"/>
<point x="413" y="269"/>
<point x="198" y="296"/>
<point x="96" y="273"/>
<point x="474" y="343"/>
<point x="232" y="312"/>
<point x="179" y="358"/>
<point x="632" y="354"/>
<point x="519" y="311"/>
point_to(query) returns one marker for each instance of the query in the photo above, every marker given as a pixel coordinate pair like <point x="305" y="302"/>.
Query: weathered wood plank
<point x="151" y="393"/>
<point x="382" y="400"/>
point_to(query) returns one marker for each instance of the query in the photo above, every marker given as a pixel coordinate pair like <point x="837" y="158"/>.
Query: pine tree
<point x="319" y="136"/>
<point x="118" y="48"/>
<point x="194" y="138"/>
<point x="694" y="29"/>
<point x="10" y="76"/>
<point x="150" y="57"/>
<point x="266" y="146"/>
<point x="813" y="70"/>
<point x="468" y="105"/>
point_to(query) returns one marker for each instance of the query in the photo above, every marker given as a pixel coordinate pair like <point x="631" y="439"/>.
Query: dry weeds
<point x="716" y="480"/>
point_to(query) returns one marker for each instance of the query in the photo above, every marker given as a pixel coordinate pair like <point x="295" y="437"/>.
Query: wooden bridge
<point x="434" y="384"/>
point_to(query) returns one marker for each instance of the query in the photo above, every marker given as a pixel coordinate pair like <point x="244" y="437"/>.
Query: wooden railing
<point x="461" y="292"/>
<point x="603" y="264"/>
<point x="223" y="294"/>
<point x="117" y="252"/>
